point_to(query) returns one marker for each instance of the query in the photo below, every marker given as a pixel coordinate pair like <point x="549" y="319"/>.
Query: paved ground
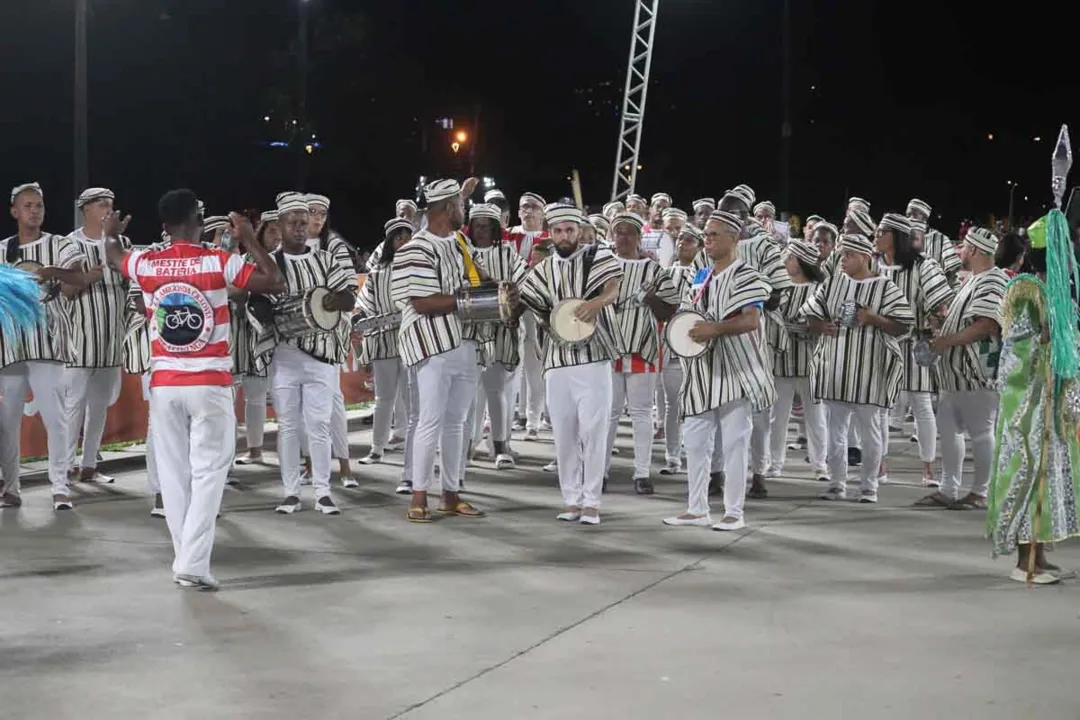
<point x="816" y="611"/>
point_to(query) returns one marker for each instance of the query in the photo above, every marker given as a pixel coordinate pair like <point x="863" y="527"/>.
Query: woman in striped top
<point x="857" y="366"/>
<point x="379" y="347"/>
<point x="791" y="367"/>
<point x="935" y="245"/>
<point x="724" y="386"/>
<point x="928" y="293"/>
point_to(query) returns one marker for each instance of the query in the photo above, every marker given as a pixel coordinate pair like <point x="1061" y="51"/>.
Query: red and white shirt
<point x="187" y="305"/>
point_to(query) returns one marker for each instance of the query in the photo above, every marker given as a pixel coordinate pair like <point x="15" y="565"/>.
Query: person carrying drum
<point x="571" y="292"/>
<point x="727" y="378"/>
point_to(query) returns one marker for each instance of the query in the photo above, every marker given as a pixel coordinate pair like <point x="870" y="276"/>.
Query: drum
<point x="363" y="325"/>
<point x="924" y="356"/>
<point x="566" y="328"/>
<point x="303" y="315"/>
<point x="849" y="314"/>
<point x="677" y="334"/>
<point x="488" y="302"/>
<point x="50" y="289"/>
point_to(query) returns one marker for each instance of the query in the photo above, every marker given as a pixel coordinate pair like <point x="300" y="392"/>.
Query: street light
<point x="461" y="136"/>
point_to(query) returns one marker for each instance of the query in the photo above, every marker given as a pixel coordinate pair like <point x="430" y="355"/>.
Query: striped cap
<point x="919" y="206"/>
<point x="744" y="193"/>
<point x="215" y="223"/>
<point x="657" y="197"/>
<point x="485" y="210"/>
<point x="392" y="225"/>
<point x="814" y="219"/>
<point x="692" y="230"/>
<point x="19" y="189"/>
<point x="277" y="198"/>
<point x="862" y="220"/>
<point x="320" y="201"/>
<point x="407" y="203"/>
<point x="765" y="205"/>
<point x="613" y="208"/>
<point x="93" y="195"/>
<point x="731" y="220"/>
<point x="705" y="202"/>
<point x="634" y="197"/>
<point x="441" y="190"/>
<point x="627" y="218"/>
<point x="754" y="226"/>
<point x="858" y="202"/>
<point x="918" y="226"/>
<point x="982" y="239"/>
<point x="894" y="221"/>
<point x="804" y="252"/>
<point x="674" y="213"/>
<point x="827" y="227"/>
<point x="494" y="194"/>
<point x="600" y="223"/>
<point x="291" y="201"/>
<point x="559" y="213"/>
<point x="269" y="216"/>
<point x="856" y="243"/>
<point x="534" y="197"/>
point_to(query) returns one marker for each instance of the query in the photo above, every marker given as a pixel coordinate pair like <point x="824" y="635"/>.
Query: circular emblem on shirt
<point x="184" y="317"/>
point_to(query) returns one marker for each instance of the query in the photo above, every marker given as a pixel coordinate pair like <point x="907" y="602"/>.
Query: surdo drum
<point x="487" y="302"/>
<point x="299" y="316"/>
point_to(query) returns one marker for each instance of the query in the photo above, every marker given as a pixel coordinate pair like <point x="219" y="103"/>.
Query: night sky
<point x="889" y="100"/>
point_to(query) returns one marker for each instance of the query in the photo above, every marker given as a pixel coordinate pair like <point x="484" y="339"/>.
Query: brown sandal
<point x="418" y="515"/>
<point x="933" y="500"/>
<point x="462" y="509"/>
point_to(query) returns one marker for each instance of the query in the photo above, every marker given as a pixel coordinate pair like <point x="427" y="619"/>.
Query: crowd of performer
<point x="707" y="328"/>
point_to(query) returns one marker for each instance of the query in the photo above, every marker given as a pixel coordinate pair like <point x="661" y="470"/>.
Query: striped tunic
<point x="375" y="298"/>
<point x="681" y="276"/>
<point x="635" y="324"/>
<point x="500" y="262"/>
<point x="375" y="257"/>
<point x="974" y="366"/>
<point x="341" y="251"/>
<point x="316" y="268"/>
<point x="795" y="361"/>
<point x="556" y="279"/>
<point x="926" y="288"/>
<point x="860" y="365"/>
<point x="735" y="367"/>
<point x="50" y="341"/>
<point x="939" y="247"/>
<point x="99" y="323"/>
<point x="427" y="265"/>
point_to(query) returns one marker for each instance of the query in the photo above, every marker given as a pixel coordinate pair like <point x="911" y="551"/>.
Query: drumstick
<point x="575" y="185"/>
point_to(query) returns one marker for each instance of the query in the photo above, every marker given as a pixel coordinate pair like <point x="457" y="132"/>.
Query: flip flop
<point x="418" y="515"/>
<point x="462" y="509"/>
<point x="933" y="500"/>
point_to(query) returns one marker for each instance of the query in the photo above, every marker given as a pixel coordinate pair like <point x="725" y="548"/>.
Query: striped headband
<point x="894" y="221"/>
<point x="277" y="199"/>
<point x="441" y="190"/>
<point x="407" y="203"/>
<point x="858" y="202"/>
<point x="815" y="219"/>
<point x="731" y="220"/>
<point x="918" y="206"/>
<point x="627" y="218"/>
<point x="742" y="193"/>
<point x="804" y="252"/>
<point x="290" y="202"/>
<point x="856" y="243"/>
<point x="658" y="197"/>
<point x="93" y="195"/>
<point x="534" y="197"/>
<point x="827" y="227"/>
<point x="20" y="189"/>
<point x="705" y="202"/>
<point x="318" y="201"/>
<point x="862" y="219"/>
<point x="691" y="230"/>
<point x="394" y="224"/>
<point x="560" y="213"/>
<point x="269" y="216"/>
<point x="599" y="222"/>
<point x="982" y="239"/>
<point x="675" y="213"/>
<point x="765" y="205"/>
<point x="215" y="223"/>
<point x="485" y="210"/>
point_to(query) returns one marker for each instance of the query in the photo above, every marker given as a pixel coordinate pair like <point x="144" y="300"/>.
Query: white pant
<point x="635" y="391"/>
<point x="90" y="392"/>
<point x="670" y="381"/>
<point x="410" y="419"/>
<point x="255" y="389"/>
<point x="303" y="390"/>
<point x="976" y="412"/>
<point x="48" y="382"/>
<point x="195" y="438"/>
<point x="388" y="374"/>
<point x="531" y="398"/>
<point x="922" y="407"/>
<point x="493" y="395"/>
<point x="579" y="401"/>
<point x="759" y="441"/>
<point x="151" y="457"/>
<point x="732" y="425"/>
<point x="446" y="386"/>
<point x="868" y="419"/>
<point x="813" y="417"/>
<point x="339" y="421"/>
<point x="401" y="410"/>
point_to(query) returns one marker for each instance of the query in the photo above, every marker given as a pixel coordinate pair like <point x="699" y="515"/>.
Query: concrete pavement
<point x="816" y="611"/>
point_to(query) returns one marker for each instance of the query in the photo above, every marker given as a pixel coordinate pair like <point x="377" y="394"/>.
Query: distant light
<point x="455" y="147"/>
<point x="990" y="136"/>
<point x="293" y="122"/>
<point x="1025" y="198"/>
<point x="266" y="118"/>
<point x="813" y="87"/>
<point x="640" y="167"/>
<point x="489" y="182"/>
<point x="312" y="136"/>
<point x="461" y="137"/>
<point x="1038" y="139"/>
<point x="309" y="147"/>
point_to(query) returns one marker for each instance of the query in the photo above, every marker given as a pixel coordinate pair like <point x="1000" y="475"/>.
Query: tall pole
<point x="302" y="124"/>
<point x="81" y="148"/>
<point x="786" y="129"/>
<point x="1012" y="189"/>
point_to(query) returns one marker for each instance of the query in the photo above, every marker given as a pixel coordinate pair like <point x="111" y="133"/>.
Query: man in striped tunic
<point x="530" y="384"/>
<point x="655" y="241"/>
<point x="33" y="360"/>
<point x="645" y="296"/>
<point x="407" y="210"/>
<point x="578" y="376"/>
<point x="429" y="271"/>
<point x="857" y="367"/>
<point x="969" y="342"/>
<point x="636" y="204"/>
<point x="703" y="208"/>
<point x="97" y="337"/>
<point x="724" y="386"/>
<point x="936" y="245"/>
<point x="304" y="372"/>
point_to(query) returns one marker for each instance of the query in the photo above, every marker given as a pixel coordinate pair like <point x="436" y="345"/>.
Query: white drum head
<point x="325" y="319"/>
<point x="677" y="334"/>
<point x="567" y="327"/>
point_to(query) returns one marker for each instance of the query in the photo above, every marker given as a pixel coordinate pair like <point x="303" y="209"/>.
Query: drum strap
<point x="587" y="260"/>
<point x="470" y="267"/>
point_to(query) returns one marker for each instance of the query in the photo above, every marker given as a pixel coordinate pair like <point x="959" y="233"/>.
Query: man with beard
<point x="579" y="382"/>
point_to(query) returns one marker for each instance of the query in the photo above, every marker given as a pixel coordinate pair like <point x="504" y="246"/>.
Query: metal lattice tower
<point x="633" y="109"/>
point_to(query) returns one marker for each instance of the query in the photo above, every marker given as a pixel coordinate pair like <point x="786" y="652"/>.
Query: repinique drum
<point x="487" y="302"/>
<point x="50" y="289"/>
<point x="849" y="314"/>
<point x="677" y="334"/>
<point x="303" y="315"/>
<point x="566" y="328"/>
<point x="364" y="325"/>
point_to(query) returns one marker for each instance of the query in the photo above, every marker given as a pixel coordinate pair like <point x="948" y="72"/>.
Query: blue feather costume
<point x="20" y="301"/>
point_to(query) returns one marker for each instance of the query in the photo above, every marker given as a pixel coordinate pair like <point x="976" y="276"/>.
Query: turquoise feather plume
<point x="20" y="300"/>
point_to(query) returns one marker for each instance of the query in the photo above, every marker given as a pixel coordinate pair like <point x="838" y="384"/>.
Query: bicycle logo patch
<point x="184" y="318"/>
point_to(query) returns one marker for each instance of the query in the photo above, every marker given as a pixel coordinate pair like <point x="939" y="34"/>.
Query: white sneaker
<point x="931" y="482"/>
<point x="729" y="526"/>
<point x="396" y="443"/>
<point x="673" y="467"/>
<point x="504" y="462"/>
<point x="552" y="466"/>
<point x="287" y="507"/>
<point x="833" y="493"/>
<point x="773" y="472"/>
<point x="157" y="512"/>
<point x="589" y="520"/>
<point x="326" y="506"/>
<point x="703" y="521"/>
<point x="883" y="480"/>
<point x="545" y="425"/>
<point x="532" y="434"/>
<point x="349" y="482"/>
<point x="372" y="458"/>
<point x="206" y="583"/>
<point x="868" y="496"/>
<point x="569" y="516"/>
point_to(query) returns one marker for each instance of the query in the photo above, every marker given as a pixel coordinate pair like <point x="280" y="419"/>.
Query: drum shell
<point x="297" y="316"/>
<point x="488" y="302"/>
